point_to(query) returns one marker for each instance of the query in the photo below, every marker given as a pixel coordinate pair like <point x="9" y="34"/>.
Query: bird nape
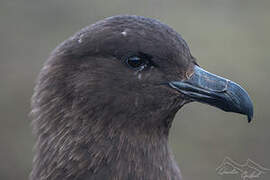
<point x="106" y="98"/>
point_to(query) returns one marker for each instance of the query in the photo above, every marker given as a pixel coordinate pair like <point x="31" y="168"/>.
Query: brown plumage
<point x="105" y="100"/>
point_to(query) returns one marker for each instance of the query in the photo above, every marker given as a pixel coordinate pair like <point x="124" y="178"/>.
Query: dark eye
<point x="137" y="62"/>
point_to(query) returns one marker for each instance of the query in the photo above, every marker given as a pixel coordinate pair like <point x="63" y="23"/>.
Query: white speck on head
<point x="139" y="76"/>
<point x="80" y="38"/>
<point x="124" y="33"/>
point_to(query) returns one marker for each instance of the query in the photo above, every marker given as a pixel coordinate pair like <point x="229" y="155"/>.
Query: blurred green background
<point x="228" y="37"/>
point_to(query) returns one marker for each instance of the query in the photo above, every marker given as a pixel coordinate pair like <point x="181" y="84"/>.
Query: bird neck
<point x="101" y="150"/>
<point x="127" y="155"/>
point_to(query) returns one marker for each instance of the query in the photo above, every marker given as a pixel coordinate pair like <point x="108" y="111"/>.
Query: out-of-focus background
<point x="228" y="37"/>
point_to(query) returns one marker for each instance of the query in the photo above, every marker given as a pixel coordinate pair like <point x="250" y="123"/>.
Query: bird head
<point x="134" y="72"/>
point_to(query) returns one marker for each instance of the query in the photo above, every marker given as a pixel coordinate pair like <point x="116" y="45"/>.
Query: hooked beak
<point x="216" y="91"/>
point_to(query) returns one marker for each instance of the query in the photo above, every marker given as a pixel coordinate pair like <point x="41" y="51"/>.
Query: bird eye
<point x="137" y="62"/>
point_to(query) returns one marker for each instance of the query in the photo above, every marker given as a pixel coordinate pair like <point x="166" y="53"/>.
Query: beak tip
<point x="249" y="108"/>
<point x="244" y="104"/>
<point x="249" y="118"/>
<point x="250" y="114"/>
